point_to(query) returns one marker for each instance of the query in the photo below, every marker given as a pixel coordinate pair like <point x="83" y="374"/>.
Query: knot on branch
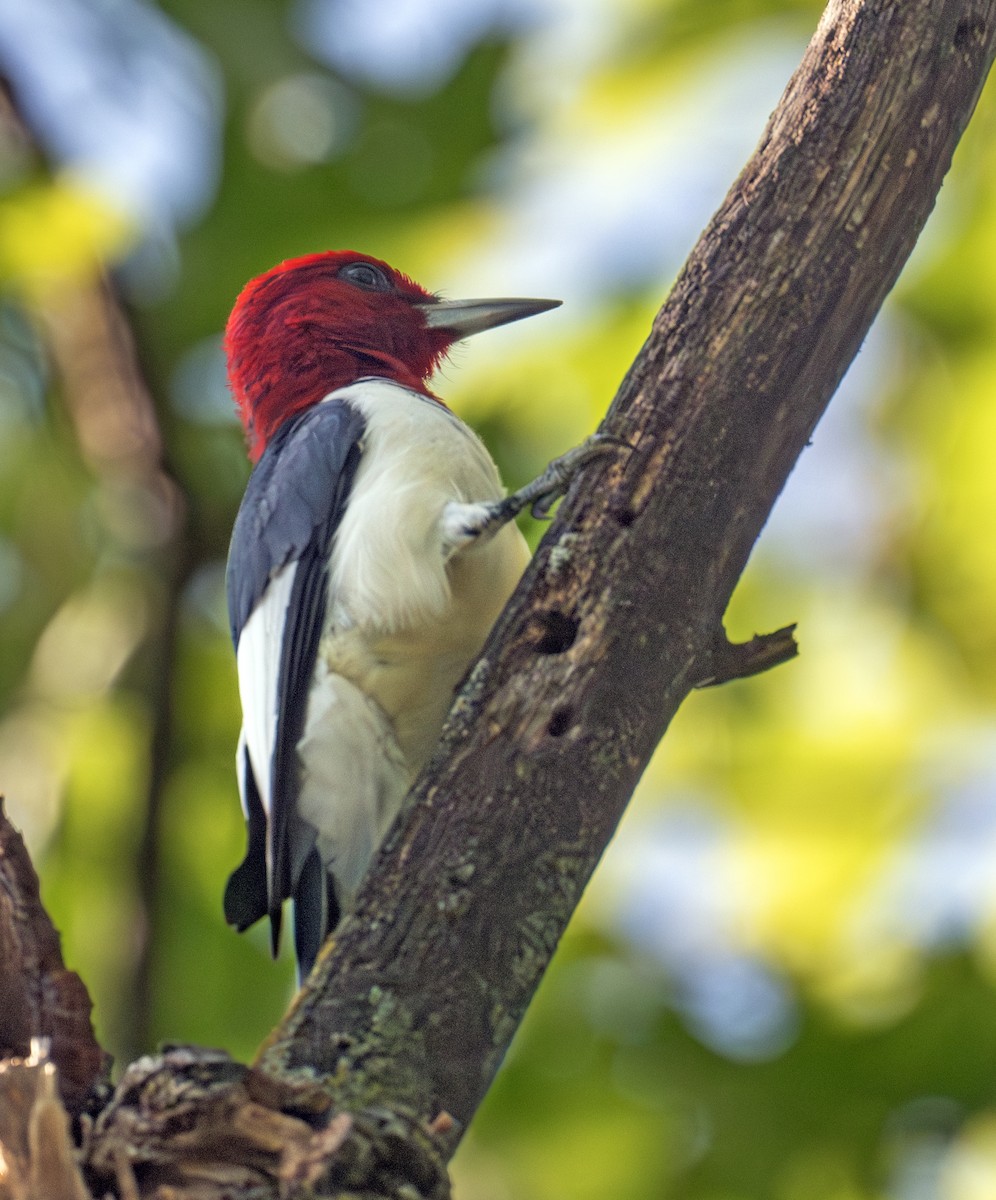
<point x="194" y="1125"/>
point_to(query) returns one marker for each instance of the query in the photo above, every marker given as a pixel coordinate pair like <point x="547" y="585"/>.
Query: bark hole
<point x="560" y="722"/>
<point x="966" y="33"/>
<point x="559" y="632"/>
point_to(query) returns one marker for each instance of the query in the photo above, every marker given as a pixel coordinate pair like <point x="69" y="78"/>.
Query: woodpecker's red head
<point x="314" y="324"/>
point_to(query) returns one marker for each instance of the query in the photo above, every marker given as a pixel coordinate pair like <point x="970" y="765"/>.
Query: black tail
<point x="316" y="912"/>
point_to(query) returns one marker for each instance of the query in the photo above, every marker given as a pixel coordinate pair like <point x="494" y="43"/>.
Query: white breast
<point x="388" y="568"/>
<point x="404" y="621"/>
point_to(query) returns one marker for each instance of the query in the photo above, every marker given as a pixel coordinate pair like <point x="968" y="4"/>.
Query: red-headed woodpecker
<point x="372" y="552"/>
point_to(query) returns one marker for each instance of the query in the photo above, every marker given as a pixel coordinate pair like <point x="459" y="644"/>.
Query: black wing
<point x="289" y="514"/>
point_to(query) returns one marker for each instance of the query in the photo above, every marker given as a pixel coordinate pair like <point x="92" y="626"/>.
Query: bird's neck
<point x="267" y="398"/>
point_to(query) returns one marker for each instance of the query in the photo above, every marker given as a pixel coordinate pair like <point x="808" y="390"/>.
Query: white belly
<point x="412" y="671"/>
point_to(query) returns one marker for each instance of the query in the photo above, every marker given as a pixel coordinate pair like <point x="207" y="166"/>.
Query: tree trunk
<point x="620" y="614"/>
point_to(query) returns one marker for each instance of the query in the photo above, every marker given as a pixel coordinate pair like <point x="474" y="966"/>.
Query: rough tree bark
<point x="390" y="1046"/>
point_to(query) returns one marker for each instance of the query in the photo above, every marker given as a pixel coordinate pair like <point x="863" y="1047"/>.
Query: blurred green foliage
<point x="781" y="983"/>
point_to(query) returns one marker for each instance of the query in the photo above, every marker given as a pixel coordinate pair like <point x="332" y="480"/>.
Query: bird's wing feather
<point x="245" y="894"/>
<point x="259" y="657"/>
<point x="277" y="583"/>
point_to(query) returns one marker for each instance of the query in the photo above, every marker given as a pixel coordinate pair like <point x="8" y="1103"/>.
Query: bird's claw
<point x="557" y="477"/>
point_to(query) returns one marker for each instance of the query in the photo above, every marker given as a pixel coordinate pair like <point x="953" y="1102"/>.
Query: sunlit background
<point x="782" y="982"/>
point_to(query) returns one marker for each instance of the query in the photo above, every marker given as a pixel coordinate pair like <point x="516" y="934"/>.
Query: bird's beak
<point x="464" y="317"/>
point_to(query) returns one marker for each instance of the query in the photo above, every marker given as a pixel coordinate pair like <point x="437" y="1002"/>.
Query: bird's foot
<point x="541" y="494"/>
<point x="463" y="523"/>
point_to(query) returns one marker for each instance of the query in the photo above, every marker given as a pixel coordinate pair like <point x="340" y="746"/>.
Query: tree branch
<point x="739" y="660"/>
<point x="39" y="998"/>
<point x="416" y="998"/>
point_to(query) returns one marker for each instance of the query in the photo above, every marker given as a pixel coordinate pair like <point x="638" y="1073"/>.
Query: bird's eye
<point x="366" y="275"/>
